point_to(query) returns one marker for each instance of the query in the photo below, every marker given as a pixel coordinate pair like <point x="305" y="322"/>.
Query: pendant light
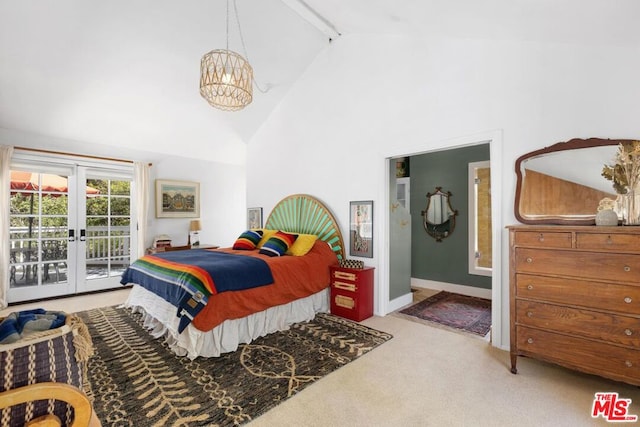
<point x="226" y="77"/>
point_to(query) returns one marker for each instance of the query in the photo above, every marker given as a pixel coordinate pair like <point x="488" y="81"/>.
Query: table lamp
<point x="194" y="227"/>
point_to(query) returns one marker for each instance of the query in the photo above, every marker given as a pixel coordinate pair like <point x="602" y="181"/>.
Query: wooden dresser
<point x="575" y="298"/>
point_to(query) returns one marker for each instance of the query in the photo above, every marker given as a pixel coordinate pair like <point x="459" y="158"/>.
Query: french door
<point x="70" y="229"/>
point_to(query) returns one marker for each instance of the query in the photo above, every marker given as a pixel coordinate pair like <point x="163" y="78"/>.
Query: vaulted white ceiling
<point x="126" y="73"/>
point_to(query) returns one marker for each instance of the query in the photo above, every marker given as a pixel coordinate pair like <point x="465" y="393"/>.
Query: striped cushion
<point x="278" y="244"/>
<point x="248" y="240"/>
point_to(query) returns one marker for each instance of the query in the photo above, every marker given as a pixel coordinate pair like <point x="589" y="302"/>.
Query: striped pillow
<point x="278" y="244"/>
<point x="248" y="240"/>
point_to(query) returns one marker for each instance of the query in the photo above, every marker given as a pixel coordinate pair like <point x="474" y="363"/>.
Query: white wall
<point x="367" y="97"/>
<point x="222" y="200"/>
<point x="222" y="186"/>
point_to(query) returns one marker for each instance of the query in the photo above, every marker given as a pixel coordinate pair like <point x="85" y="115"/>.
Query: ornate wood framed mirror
<point x="439" y="218"/>
<point x="563" y="183"/>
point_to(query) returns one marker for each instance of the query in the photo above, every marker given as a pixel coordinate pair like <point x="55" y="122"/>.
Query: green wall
<point x="445" y="261"/>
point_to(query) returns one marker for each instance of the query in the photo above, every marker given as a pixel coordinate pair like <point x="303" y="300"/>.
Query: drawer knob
<point x="627" y="268"/>
<point x="529" y="260"/>
<point x="530" y="340"/>
<point x="609" y="240"/>
<point x="628" y="332"/>
<point x="628" y="300"/>
<point x="529" y="313"/>
<point x="628" y="363"/>
<point x="529" y="287"/>
<point x="541" y="238"/>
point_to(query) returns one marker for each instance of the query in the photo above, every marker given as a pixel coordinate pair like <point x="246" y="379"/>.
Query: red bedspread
<point x="294" y="277"/>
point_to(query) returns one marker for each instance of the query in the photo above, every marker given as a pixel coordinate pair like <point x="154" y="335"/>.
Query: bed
<point x="221" y="319"/>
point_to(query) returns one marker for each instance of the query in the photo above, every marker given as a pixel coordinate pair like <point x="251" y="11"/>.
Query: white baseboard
<point x="450" y="287"/>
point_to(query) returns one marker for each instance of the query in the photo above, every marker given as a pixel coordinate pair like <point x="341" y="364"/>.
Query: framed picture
<point x="254" y="218"/>
<point x="361" y="229"/>
<point x="177" y="199"/>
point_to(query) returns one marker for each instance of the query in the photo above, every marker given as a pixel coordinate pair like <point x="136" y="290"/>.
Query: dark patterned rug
<point x="137" y="381"/>
<point x="463" y="312"/>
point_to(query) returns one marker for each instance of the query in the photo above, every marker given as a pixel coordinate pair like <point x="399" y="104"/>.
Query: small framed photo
<point x="254" y="218"/>
<point x="177" y="199"/>
<point x="361" y="229"/>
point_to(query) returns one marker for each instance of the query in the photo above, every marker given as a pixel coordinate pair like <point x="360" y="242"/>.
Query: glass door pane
<point x="39" y="226"/>
<point x="105" y="232"/>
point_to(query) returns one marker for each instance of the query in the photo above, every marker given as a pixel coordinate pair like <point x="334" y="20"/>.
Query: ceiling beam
<point x="314" y="18"/>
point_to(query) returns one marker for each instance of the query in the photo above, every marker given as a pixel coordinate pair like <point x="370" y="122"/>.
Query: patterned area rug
<point x="137" y="381"/>
<point x="463" y="312"/>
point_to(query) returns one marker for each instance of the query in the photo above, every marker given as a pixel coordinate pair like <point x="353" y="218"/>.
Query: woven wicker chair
<point x="52" y="364"/>
<point x="83" y="412"/>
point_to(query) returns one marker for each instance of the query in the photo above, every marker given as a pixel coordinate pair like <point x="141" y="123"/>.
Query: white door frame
<point x="499" y="309"/>
<point x="76" y="214"/>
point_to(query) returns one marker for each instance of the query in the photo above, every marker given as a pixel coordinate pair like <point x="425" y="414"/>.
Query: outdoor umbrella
<point x="29" y="181"/>
<point x="48" y="183"/>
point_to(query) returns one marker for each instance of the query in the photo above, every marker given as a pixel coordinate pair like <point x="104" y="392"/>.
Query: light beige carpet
<point x="427" y="376"/>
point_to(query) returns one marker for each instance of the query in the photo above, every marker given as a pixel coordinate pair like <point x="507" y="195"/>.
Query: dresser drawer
<point x="351" y="305"/>
<point x="345" y="275"/>
<point x="351" y="276"/>
<point x="551" y="239"/>
<point x="604" y="296"/>
<point x="608" y="242"/>
<point x="609" y="327"/>
<point x="589" y="356"/>
<point x="588" y="265"/>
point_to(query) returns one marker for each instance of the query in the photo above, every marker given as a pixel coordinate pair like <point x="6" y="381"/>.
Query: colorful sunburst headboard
<point x="301" y="213"/>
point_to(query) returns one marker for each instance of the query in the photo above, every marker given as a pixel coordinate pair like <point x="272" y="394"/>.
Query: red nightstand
<point x="352" y="292"/>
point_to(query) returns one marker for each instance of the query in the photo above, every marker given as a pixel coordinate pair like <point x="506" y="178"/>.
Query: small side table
<point x="352" y="292"/>
<point x="204" y="246"/>
<point x="151" y="251"/>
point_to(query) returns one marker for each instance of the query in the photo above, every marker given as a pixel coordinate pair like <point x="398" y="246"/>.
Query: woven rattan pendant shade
<point x="226" y="80"/>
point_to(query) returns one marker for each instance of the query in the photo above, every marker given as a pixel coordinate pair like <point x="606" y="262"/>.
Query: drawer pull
<point x="628" y="332"/>
<point x="529" y="287"/>
<point x="628" y="300"/>
<point x="627" y="268"/>
<point x="628" y="363"/>
<point x="541" y="238"/>
<point x="344" y="275"/>
<point x="345" y="302"/>
<point x="609" y="240"/>
<point x="530" y="340"/>
<point x="345" y="286"/>
<point x="529" y="313"/>
<point x="529" y="260"/>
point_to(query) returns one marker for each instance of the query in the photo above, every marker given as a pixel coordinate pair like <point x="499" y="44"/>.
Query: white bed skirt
<point x="161" y="320"/>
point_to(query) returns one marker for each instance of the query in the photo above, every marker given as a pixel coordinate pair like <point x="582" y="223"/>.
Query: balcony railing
<point x="107" y="253"/>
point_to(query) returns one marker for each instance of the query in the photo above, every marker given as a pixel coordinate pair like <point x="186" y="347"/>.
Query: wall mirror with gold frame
<point x="563" y="183"/>
<point x="439" y="218"/>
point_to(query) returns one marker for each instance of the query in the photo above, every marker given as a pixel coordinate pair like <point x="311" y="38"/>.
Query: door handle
<point x="83" y="235"/>
<point x="72" y="235"/>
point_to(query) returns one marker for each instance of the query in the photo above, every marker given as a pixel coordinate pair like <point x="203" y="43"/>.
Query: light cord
<point x="244" y="48"/>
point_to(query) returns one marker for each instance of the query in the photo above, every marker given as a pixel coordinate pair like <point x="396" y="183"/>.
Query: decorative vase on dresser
<point x="575" y="298"/>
